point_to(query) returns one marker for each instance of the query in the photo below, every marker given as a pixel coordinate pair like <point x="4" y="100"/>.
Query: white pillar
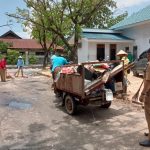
<point x="27" y="58"/>
<point x="107" y="50"/>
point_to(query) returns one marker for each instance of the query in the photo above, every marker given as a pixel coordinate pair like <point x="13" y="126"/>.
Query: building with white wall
<point x="99" y="44"/>
<point x="136" y="27"/>
<point x="132" y="34"/>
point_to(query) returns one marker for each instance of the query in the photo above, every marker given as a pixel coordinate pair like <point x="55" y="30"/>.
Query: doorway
<point x="135" y="49"/>
<point x="112" y="52"/>
<point x="100" y="52"/>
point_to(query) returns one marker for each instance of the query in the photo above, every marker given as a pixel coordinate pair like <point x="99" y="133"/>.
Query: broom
<point x="136" y="95"/>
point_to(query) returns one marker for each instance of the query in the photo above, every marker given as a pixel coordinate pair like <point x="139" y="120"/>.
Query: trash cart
<point x="74" y="89"/>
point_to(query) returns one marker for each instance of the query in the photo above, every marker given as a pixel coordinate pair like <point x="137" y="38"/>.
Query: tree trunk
<point x="45" y="61"/>
<point x="74" y="55"/>
<point x="74" y="52"/>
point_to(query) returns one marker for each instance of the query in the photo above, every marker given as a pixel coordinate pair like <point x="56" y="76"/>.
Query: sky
<point x="10" y="6"/>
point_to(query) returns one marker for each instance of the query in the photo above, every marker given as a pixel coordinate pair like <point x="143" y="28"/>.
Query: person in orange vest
<point x="3" y="69"/>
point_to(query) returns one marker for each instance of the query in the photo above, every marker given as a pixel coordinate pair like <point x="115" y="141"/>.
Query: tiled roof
<point x="140" y="16"/>
<point x="104" y="36"/>
<point x="31" y="44"/>
<point x="94" y="30"/>
<point x="22" y="43"/>
<point x="10" y="34"/>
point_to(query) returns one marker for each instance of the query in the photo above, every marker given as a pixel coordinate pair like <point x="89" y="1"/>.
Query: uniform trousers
<point x="147" y="110"/>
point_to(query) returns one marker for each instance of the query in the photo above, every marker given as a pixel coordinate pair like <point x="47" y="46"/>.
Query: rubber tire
<point x="69" y="99"/>
<point x="107" y="105"/>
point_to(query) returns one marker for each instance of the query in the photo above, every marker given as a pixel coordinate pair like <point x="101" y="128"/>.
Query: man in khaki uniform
<point x="145" y="97"/>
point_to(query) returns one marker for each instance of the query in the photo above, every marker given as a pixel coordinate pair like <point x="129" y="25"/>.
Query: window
<point x="127" y="49"/>
<point x="112" y="52"/>
<point x="135" y="52"/>
<point x="22" y="53"/>
<point x="100" y="52"/>
<point x="39" y="53"/>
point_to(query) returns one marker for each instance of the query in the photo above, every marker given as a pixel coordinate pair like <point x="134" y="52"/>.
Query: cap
<point x="20" y="57"/>
<point x="121" y="52"/>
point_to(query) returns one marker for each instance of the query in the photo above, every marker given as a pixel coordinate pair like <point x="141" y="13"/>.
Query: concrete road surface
<point x="31" y="118"/>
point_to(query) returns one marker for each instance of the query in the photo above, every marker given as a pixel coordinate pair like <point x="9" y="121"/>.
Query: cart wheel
<point x="107" y="105"/>
<point x="70" y="105"/>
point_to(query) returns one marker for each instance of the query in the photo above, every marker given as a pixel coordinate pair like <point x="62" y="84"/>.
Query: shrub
<point x="32" y="59"/>
<point x="1" y="56"/>
<point x="3" y="47"/>
<point x="12" y="57"/>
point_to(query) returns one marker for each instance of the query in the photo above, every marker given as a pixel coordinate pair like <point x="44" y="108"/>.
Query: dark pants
<point x="20" y="68"/>
<point x="147" y="111"/>
<point x="110" y="85"/>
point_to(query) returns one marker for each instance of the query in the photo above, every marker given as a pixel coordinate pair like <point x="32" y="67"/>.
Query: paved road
<point x="31" y="118"/>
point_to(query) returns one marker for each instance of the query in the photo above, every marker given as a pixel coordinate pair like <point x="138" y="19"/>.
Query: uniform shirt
<point x="20" y="63"/>
<point x="3" y="64"/>
<point x="58" y="61"/>
<point x="147" y="72"/>
<point x="126" y="62"/>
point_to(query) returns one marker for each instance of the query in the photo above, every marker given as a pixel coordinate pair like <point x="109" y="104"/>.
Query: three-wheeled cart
<point x="73" y="91"/>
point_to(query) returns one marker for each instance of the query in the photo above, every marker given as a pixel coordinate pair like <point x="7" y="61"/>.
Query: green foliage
<point x="32" y="59"/>
<point x="1" y="56"/>
<point x="3" y="47"/>
<point x="117" y="19"/>
<point x="56" y="20"/>
<point x="12" y="57"/>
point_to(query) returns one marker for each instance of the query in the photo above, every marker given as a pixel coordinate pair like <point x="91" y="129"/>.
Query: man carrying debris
<point x="57" y="63"/>
<point x="145" y="97"/>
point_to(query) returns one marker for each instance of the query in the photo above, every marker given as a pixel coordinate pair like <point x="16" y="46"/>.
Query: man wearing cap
<point x="145" y="97"/>
<point x="20" y="64"/>
<point x="123" y="56"/>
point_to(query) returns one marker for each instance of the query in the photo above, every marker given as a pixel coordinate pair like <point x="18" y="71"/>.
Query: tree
<point x="82" y="12"/>
<point x="46" y="39"/>
<point x="117" y="19"/>
<point x="38" y="28"/>
<point x="3" y="47"/>
<point x="64" y="18"/>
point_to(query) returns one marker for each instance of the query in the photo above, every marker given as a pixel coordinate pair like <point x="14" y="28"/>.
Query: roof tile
<point x="140" y="16"/>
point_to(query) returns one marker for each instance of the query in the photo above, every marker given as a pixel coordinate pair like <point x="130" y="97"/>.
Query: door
<point x="134" y="53"/>
<point x="100" y="52"/>
<point x="112" y="52"/>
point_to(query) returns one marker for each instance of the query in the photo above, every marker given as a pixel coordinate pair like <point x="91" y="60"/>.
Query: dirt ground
<point x="40" y="123"/>
<point x="134" y="84"/>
